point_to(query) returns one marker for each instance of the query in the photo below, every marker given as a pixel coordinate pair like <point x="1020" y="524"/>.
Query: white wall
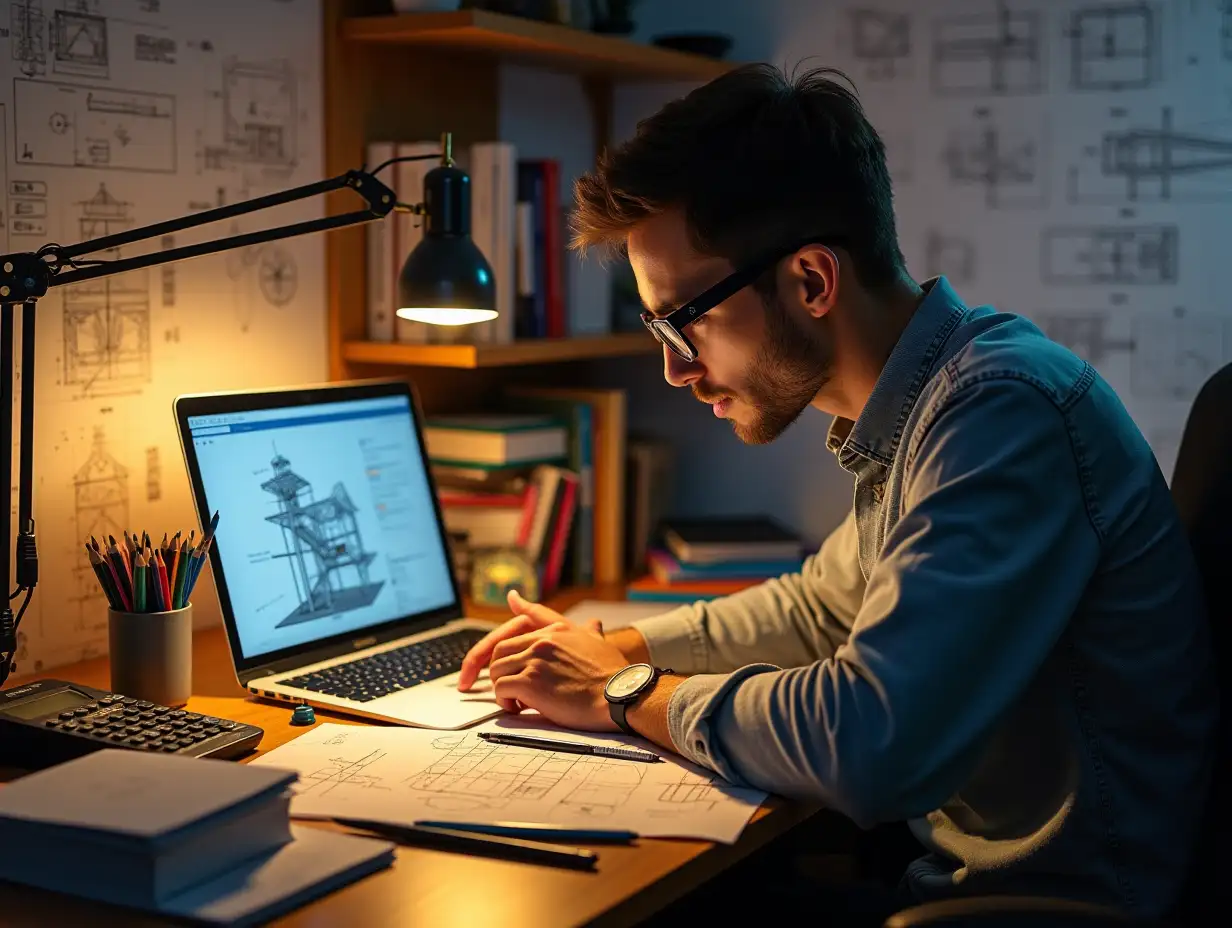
<point x="1000" y="185"/>
<point x="115" y="114"/>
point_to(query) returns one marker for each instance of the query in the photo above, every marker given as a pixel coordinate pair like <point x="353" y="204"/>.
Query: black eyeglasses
<point x="669" y="329"/>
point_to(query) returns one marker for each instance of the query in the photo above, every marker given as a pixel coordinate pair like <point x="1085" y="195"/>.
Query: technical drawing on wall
<point x="28" y="36"/>
<point x="70" y="125"/>
<point x="27" y="207"/>
<point x="324" y="549"/>
<point x="1114" y="47"/>
<point x="79" y="40"/>
<point x="412" y="774"/>
<point x="153" y="476"/>
<point x="989" y="53"/>
<point x="881" y="41"/>
<point x="1009" y="162"/>
<point x="1149" y="163"/>
<point x="252" y="120"/>
<point x="1145" y="254"/>
<point x="269" y="269"/>
<point x="951" y="255"/>
<point x="107" y="320"/>
<point x="101" y="509"/>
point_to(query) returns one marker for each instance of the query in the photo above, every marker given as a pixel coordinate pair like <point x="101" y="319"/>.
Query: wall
<point x="1002" y="185"/>
<point x="115" y="114"/>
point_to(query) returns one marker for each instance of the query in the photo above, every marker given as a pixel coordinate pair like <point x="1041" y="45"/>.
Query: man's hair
<point x="755" y="160"/>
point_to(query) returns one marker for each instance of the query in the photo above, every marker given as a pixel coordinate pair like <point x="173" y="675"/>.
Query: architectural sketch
<point x="100" y="499"/>
<point x="880" y="40"/>
<point x="989" y="53"/>
<point x="159" y="49"/>
<point x="107" y="320"/>
<point x="79" y="40"/>
<point x="1149" y="163"/>
<point x="27" y="207"/>
<point x="253" y="118"/>
<point x="1114" y="47"/>
<point x="1009" y="162"/>
<point x="340" y="770"/>
<point x="272" y="269"/>
<point x="1085" y="333"/>
<point x="323" y="546"/>
<point x="28" y="36"/>
<point x="1175" y="353"/>
<point x="153" y="475"/>
<point x="951" y="255"/>
<point x="71" y="125"/>
<point x="1146" y="254"/>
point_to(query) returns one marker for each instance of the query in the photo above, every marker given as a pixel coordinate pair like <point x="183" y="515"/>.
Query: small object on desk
<point x="303" y="715"/>
<point x="569" y="747"/>
<point x="447" y="838"/>
<point x="538" y="830"/>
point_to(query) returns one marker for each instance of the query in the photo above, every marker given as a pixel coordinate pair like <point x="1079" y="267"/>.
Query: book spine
<point x="560" y="538"/>
<point x="524" y="314"/>
<point x="382" y="260"/>
<point x="409" y="186"/>
<point x="553" y="253"/>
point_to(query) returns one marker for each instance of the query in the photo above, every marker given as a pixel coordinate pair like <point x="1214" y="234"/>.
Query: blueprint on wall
<point x="402" y="775"/>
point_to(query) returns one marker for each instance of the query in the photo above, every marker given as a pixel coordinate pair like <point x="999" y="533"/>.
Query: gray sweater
<point x="1004" y="643"/>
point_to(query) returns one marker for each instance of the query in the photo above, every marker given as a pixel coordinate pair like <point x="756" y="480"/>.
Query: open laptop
<point x="330" y="558"/>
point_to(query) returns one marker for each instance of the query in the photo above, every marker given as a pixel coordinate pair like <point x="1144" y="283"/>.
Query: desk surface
<point x="424" y="886"/>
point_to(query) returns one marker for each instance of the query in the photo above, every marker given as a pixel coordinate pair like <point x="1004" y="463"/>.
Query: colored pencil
<point x="139" y="569"/>
<point x="136" y="575"/>
<point x="104" y="578"/>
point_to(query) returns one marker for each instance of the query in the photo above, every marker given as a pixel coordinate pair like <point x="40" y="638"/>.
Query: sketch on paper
<point x="951" y="255"/>
<point x="71" y="125"/>
<point x="101" y="509"/>
<point x="323" y="546"/>
<point x="989" y="53"/>
<point x="252" y="119"/>
<point x="28" y="36"/>
<point x="1149" y="163"/>
<point x="79" y="40"/>
<point x="107" y="320"/>
<point x="1176" y="353"/>
<point x="27" y="207"/>
<point x="1008" y="162"/>
<point x="157" y="49"/>
<point x="1114" y="47"/>
<point x="880" y="40"/>
<point x="1146" y="254"/>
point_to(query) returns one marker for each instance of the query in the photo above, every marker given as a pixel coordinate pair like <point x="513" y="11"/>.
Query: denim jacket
<point x="1003" y="644"/>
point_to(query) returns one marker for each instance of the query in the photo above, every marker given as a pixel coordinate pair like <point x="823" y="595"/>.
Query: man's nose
<point x="679" y="372"/>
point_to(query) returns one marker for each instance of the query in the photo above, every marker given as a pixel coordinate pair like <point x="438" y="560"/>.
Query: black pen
<point x="447" y="839"/>
<point x="570" y="747"/>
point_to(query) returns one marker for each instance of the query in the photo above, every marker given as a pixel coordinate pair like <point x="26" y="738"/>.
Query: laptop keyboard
<point x="379" y="675"/>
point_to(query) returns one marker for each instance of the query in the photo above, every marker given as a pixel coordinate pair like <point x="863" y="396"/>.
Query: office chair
<point x="1202" y="490"/>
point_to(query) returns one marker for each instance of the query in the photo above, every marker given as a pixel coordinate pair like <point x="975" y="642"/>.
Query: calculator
<point x="51" y="721"/>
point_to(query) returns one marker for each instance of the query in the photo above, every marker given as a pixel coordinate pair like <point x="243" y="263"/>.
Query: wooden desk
<point x="427" y="887"/>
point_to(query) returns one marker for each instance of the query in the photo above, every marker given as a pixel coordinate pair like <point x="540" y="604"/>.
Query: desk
<point x="427" y="887"/>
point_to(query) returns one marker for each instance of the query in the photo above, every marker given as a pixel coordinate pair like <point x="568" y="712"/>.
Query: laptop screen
<point x="327" y="522"/>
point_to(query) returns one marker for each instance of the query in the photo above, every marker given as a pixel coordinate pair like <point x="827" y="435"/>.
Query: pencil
<point x="104" y="578"/>
<point x="162" y="579"/>
<point x="139" y="567"/>
<point x="181" y="571"/>
<point x="120" y="550"/>
<point x="115" y="564"/>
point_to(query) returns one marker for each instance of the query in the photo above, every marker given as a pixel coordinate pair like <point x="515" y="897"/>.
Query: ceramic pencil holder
<point x="151" y="655"/>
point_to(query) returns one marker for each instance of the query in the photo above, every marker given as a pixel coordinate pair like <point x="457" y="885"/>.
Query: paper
<point x="616" y="615"/>
<point x="402" y="775"/>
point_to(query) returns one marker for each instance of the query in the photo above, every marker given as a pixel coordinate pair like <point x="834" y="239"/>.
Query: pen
<point x="449" y="839"/>
<point x="537" y="830"/>
<point x="570" y="747"/>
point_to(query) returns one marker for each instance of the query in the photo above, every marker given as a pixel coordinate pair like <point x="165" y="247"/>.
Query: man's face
<point x="758" y="363"/>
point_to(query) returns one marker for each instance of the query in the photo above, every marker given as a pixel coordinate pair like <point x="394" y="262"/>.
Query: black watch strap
<point x="617" y="709"/>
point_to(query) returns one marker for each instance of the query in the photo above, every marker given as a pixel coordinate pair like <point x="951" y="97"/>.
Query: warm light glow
<point x="446" y="315"/>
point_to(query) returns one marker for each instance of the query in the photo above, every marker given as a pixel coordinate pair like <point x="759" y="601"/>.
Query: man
<point x="1004" y="642"/>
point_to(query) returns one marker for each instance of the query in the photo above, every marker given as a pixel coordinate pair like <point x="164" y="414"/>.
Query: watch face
<point x="629" y="681"/>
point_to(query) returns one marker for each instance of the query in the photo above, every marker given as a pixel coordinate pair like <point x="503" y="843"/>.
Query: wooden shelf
<point x="529" y="41"/>
<point x="533" y="351"/>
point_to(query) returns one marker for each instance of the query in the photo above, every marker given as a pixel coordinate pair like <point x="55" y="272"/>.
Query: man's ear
<point x="815" y="269"/>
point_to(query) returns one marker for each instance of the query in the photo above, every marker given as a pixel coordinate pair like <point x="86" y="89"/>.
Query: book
<point x="651" y="589"/>
<point x="137" y="829"/>
<point x="493" y="205"/>
<point x="666" y="568"/>
<point x="647" y="495"/>
<point x="730" y="538"/>
<point x="382" y="256"/>
<point x="495" y="439"/>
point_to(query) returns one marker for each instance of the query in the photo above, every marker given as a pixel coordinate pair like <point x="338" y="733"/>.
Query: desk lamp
<point x="445" y="281"/>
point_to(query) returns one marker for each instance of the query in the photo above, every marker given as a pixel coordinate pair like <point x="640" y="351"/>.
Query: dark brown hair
<point x="755" y="160"/>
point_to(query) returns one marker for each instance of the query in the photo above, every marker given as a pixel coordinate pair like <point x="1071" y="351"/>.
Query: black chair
<point x="1202" y="489"/>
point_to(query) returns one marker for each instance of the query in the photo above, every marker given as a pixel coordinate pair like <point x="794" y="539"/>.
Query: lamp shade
<point x="446" y="280"/>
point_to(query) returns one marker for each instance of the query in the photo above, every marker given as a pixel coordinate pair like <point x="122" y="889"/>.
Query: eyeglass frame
<point x="725" y="289"/>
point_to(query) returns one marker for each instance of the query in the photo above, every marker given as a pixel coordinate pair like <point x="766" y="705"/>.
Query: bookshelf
<point x="530" y="351"/>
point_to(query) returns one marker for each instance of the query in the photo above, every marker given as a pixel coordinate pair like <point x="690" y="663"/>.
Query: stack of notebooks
<point x="707" y="558"/>
<point x="206" y="840"/>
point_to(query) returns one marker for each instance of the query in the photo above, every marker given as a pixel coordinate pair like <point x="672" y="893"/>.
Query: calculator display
<point x="46" y="705"/>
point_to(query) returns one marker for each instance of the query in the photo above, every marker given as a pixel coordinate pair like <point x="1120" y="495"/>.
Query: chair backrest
<point x="1202" y="489"/>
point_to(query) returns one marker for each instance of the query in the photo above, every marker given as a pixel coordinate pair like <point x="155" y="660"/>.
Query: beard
<point x="785" y="374"/>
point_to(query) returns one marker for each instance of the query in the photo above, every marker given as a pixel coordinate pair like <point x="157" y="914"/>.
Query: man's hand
<point x="560" y="671"/>
<point x="528" y="617"/>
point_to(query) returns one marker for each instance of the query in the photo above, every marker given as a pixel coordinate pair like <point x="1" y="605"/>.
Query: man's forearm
<point x="631" y="644"/>
<point x="648" y="716"/>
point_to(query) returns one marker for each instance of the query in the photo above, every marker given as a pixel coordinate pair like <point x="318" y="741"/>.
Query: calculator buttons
<point x="226" y="726"/>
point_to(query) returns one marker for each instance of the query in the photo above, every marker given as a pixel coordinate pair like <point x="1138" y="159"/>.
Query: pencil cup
<point x="151" y="655"/>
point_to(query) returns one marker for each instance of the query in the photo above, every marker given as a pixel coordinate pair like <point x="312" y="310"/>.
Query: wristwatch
<point x="624" y="688"/>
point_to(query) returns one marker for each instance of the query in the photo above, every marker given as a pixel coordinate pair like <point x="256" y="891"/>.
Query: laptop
<point x="331" y="558"/>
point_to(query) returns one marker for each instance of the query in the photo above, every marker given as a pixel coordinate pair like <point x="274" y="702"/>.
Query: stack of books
<point x="707" y="558"/>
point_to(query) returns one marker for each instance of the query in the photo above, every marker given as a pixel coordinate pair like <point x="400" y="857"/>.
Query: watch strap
<point x="617" y="709"/>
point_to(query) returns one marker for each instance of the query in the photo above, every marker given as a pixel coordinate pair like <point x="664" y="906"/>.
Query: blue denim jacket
<point x="1003" y="644"/>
